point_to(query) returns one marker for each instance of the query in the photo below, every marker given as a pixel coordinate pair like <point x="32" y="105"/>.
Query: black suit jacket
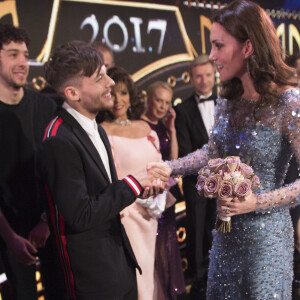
<point x="190" y="128"/>
<point x="192" y="135"/>
<point x="83" y="209"/>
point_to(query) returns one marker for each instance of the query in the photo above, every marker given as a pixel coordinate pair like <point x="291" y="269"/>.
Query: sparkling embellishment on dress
<point x="254" y="260"/>
<point x="122" y="123"/>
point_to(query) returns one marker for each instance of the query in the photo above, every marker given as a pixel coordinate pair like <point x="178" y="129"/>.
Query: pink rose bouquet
<point x="226" y="179"/>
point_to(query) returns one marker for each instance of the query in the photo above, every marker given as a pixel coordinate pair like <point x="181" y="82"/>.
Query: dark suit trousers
<point x="200" y="220"/>
<point x="131" y="295"/>
<point x="22" y="277"/>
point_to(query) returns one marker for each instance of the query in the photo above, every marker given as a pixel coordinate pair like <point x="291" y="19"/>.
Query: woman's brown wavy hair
<point x="246" y="20"/>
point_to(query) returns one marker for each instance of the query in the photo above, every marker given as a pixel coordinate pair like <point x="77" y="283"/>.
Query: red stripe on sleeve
<point x="134" y="184"/>
<point x="66" y="255"/>
<point x="61" y="243"/>
<point x="55" y="126"/>
<point x="46" y="131"/>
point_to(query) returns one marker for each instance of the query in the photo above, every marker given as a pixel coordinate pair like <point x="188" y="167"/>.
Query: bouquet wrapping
<point x="226" y="179"/>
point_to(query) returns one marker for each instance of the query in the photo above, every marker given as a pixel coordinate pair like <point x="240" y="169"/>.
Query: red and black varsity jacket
<point x="83" y="211"/>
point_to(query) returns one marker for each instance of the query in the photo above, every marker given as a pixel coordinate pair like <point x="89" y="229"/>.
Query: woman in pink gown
<point x="134" y="144"/>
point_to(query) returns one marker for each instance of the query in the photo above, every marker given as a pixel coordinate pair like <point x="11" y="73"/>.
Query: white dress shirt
<point x="91" y="128"/>
<point x="207" y="111"/>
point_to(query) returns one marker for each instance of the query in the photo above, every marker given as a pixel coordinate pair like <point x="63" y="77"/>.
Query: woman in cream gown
<point x="134" y="144"/>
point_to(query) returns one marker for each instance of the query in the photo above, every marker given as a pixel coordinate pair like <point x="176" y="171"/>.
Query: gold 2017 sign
<point x="151" y="41"/>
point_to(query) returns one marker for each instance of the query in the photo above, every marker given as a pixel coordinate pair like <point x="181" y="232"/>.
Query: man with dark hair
<point x="24" y="115"/>
<point x="194" y="120"/>
<point x="84" y="195"/>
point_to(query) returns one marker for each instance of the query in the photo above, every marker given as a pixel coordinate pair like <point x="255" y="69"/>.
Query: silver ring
<point x="227" y="211"/>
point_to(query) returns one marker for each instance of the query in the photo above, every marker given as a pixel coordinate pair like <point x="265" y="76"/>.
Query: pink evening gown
<point x="132" y="155"/>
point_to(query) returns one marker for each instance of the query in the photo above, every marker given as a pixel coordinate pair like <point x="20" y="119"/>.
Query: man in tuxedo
<point x="84" y="195"/>
<point x="194" y="120"/>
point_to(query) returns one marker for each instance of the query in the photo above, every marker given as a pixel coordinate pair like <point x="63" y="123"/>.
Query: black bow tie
<point x="201" y="100"/>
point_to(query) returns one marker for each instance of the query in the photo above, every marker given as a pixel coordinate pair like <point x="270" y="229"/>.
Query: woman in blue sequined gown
<point x="258" y="119"/>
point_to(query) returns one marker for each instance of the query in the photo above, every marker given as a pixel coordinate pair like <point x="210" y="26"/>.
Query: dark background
<point x="181" y="39"/>
<point x="184" y="33"/>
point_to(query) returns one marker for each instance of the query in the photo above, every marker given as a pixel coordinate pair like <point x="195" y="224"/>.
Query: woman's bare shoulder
<point x="142" y="127"/>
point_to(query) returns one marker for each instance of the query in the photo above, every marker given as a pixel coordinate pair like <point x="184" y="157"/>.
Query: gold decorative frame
<point x="188" y="56"/>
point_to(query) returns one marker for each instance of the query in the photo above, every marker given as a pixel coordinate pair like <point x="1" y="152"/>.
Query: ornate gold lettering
<point x="293" y="35"/>
<point x="46" y="50"/>
<point x="9" y="7"/>
<point x="204" y="23"/>
<point x="281" y="34"/>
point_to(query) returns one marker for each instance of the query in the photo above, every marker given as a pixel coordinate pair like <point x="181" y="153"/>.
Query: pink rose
<point x="243" y="188"/>
<point x="225" y="190"/>
<point x="200" y="183"/>
<point x="233" y="163"/>
<point x="216" y="165"/>
<point x="211" y="186"/>
<point x="246" y="170"/>
<point x="255" y="182"/>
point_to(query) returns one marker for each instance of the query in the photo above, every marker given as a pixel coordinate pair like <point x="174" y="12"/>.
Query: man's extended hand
<point x="157" y="187"/>
<point x="39" y="234"/>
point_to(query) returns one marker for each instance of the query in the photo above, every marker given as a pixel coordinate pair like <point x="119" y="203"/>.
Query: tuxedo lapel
<point x="84" y="140"/>
<point x="196" y="118"/>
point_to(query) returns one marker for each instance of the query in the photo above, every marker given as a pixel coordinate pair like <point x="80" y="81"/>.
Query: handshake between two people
<point x="153" y="178"/>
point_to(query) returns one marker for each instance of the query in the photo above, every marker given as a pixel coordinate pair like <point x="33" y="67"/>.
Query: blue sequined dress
<point x="254" y="260"/>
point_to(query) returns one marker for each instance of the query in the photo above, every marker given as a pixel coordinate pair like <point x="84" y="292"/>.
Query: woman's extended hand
<point x="153" y="178"/>
<point x="160" y="170"/>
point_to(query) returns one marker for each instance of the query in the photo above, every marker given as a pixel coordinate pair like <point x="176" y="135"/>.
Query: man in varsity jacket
<point x="84" y="195"/>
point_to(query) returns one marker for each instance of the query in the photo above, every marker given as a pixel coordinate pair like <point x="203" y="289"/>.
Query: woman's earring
<point x="248" y="67"/>
<point x="253" y="63"/>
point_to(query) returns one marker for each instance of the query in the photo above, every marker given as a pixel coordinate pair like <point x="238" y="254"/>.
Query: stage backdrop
<point x="151" y="40"/>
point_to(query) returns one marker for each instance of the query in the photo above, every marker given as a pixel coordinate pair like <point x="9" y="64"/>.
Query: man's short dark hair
<point x="70" y="62"/>
<point x="10" y="33"/>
